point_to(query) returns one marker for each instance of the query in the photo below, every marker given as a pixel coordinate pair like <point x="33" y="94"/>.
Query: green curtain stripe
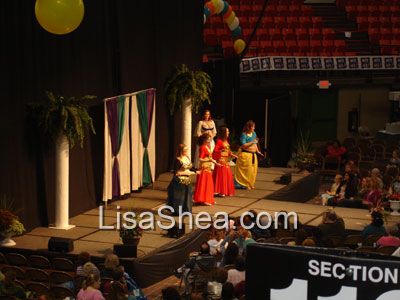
<point x="141" y="100"/>
<point x="121" y="119"/>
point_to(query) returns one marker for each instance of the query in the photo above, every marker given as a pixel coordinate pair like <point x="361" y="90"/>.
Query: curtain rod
<point x="129" y="94"/>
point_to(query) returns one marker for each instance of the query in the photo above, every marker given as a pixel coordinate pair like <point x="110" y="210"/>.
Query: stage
<point x="88" y="237"/>
<point x="155" y="248"/>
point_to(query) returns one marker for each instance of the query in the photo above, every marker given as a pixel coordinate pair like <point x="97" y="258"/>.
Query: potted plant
<point x="130" y="235"/>
<point x="9" y="224"/>
<point x="394" y="200"/>
<point x="304" y="157"/>
<point x="187" y="90"/>
<point x="62" y="121"/>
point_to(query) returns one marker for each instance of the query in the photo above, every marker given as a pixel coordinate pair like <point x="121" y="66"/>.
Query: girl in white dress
<point x="205" y="125"/>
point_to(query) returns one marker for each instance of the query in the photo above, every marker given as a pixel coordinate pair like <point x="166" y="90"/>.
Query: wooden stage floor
<point x="88" y="237"/>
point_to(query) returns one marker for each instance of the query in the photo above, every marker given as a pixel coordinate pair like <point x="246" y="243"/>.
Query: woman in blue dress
<point x="247" y="163"/>
<point x="180" y="190"/>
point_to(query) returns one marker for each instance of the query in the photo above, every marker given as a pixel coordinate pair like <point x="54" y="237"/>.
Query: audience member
<point x="110" y="263"/>
<point x="395" y="186"/>
<point x="391" y="239"/>
<point x="332" y="225"/>
<point x="243" y="239"/>
<point x="262" y="231"/>
<point x="228" y="292"/>
<point x="308" y="243"/>
<point x="237" y="274"/>
<point x="230" y="255"/>
<point x="90" y="268"/>
<point x="118" y="287"/>
<point x="376" y="175"/>
<point x="214" y="287"/>
<point x="374" y="196"/>
<point x="376" y="227"/>
<point x="90" y="289"/>
<point x="8" y="287"/>
<point x="395" y="159"/>
<point x="83" y="258"/>
<point x="215" y="240"/>
<point x="170" y="293"/>
<point x="335" y="149"/>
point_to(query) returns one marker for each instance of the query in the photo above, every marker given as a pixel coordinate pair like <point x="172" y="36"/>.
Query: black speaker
<point x="60" y="244"/>
<point x="125" y="250"/>
<point x="176" y="231"/>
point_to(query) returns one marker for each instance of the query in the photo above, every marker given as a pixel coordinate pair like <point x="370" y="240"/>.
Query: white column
<point x="62" y="184"/>
<point x="187" y="124"/>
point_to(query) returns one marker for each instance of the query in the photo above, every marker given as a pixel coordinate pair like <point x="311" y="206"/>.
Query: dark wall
<point x="121" y="46"/>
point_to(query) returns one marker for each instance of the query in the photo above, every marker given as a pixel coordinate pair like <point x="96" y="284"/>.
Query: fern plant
<point x="61" y="115"/>
<point x="185" y="84"/>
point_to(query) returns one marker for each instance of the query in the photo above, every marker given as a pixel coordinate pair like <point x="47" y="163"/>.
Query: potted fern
<point x="304" y="157"/>
<point x="63" y="121"/>
<point x="187" y="90"/>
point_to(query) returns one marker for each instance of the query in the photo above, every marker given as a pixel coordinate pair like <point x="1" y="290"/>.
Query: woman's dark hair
<point x="118" y="273"/>
<point x="377" y="219"/>
<point x="83" y="258"/>
<point x="240" y="264"/>
<point x="202" y="139"/>
<point x="231" y="253"/>
<point x="204" y="112"/>
<point x="228" y="291"/>
<point x="170" y="293"/>
<point x="222" y="133"/>
<point x="220" y="275"/>
<point x="248" y="125"/>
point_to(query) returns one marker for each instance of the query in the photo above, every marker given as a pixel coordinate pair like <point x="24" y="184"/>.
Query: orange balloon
<point x="239" y="46"/>
<point x="228" y="12"/>
<point x="211" y="7"/>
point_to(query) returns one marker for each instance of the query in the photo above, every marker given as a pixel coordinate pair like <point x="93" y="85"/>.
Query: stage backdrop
<point x="129" y="143"/>
<point x="288" y="273"/>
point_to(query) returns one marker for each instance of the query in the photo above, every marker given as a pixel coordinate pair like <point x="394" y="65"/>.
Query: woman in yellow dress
<point x="247" y="163"/>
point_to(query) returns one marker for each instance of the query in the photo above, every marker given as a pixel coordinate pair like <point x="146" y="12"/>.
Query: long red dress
<point x="204" y="190"/>
<point x="223" y="179"/>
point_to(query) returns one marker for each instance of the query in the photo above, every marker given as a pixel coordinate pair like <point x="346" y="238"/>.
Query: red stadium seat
<point x="265" y="44"/>
<point x="350" y="53"/>
<point x="396" y="33"/>
<point x="247" y="32"/>
<point x="373" y="10"/>
<point x="386" y="33"/>
<point x="328" y="33"/>
<point x="288" y="34"/>
<point x="295" y="10"/>
<point x="305" y="22"/>
<point x="339" y="43"/>
<point x="293" y="22"/>
<point x="280" y="22"/>
<point x="302" y="33"/>
<point x="384" y="22"/>
<point x="304" y="45"/>
<point x="317" y="21"/>
<point x="351" y="11"/>
<point x="337" y="53"/>
<point x="315" y="33"/>
<point x="268" y="22"/>
<point x="395" y="21"/>
<point x="253" y="21"/>
<point x="362" y="22"/>
<point x="275" y="33"/>
<point x="385" y="42"/>
<point x="291" y="44"/>
<point x="327" y="43"/>
<point x="227" y="44"/>
<point x="362" y="11"/>
<point x="374" y="35"/>
<point x="373" y="22"/>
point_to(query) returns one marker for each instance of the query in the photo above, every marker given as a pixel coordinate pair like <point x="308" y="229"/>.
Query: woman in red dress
<point x="223" y="179"/>
<point x="204" y="191"/>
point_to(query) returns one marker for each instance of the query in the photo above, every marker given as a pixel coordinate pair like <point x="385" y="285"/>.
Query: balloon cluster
<point x="59" y="16"/>
<point x="222" y="8"/>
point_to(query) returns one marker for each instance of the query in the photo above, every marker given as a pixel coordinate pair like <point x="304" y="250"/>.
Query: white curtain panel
<point x="151" y="147"/>
<point x="136" y="147"/>
<point x="108" y="160"/>
<point x="124" y="155"/>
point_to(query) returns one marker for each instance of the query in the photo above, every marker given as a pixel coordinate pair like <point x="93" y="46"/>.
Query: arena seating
<point x="292" y="28"/>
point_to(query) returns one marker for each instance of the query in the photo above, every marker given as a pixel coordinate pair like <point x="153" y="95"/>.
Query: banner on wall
<point x="287" y="273"/>
<point x="129" y="143"/>
<point x="294" y="63"/>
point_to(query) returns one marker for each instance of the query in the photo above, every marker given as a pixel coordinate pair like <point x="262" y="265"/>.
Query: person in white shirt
<point x="238" y="274"/>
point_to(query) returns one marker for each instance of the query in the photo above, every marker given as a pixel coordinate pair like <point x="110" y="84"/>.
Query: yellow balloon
<point x="230" y="18"/>
<point x="59" y="16"/>
<point x="239" y="46"/>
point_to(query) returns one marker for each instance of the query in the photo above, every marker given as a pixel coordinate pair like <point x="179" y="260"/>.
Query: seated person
<point x="90" y="289"/>
<point x="376" y="175"/>
<point x="261" y="232"/>
<point x="229" y="254"/>
<point x="348" y="193"/>
<point x="170" y="293"/>
<point x="83" y="258"/>
<point x="203" y="261"/>
<point x="332" y="225"/>
<point x="395" y="159"/>
<point x="374" y="196"/>
<point x="215" y="240"/>
<point x="391" y="239"/>
<point x="228" y="292"/>
<point x="8" y="287"/>
<point x="242" y="239"/>
<point x="110" y="263"/>
<point x="334" y="191"/>
<point x="238" y="274"/>
<point x="365" y="187"/>
<point x="376" y="227"/>
<point x="282" y="225"/>
<point x="334" y="149"/>
<point x="308" y="243"/>
<point x="214" y="287"/>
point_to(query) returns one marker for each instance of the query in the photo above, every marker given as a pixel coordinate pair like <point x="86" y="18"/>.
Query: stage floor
<point x="88" y="237"/>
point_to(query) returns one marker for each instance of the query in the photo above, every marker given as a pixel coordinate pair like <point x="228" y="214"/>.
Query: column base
<point x="65" y="227"/>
